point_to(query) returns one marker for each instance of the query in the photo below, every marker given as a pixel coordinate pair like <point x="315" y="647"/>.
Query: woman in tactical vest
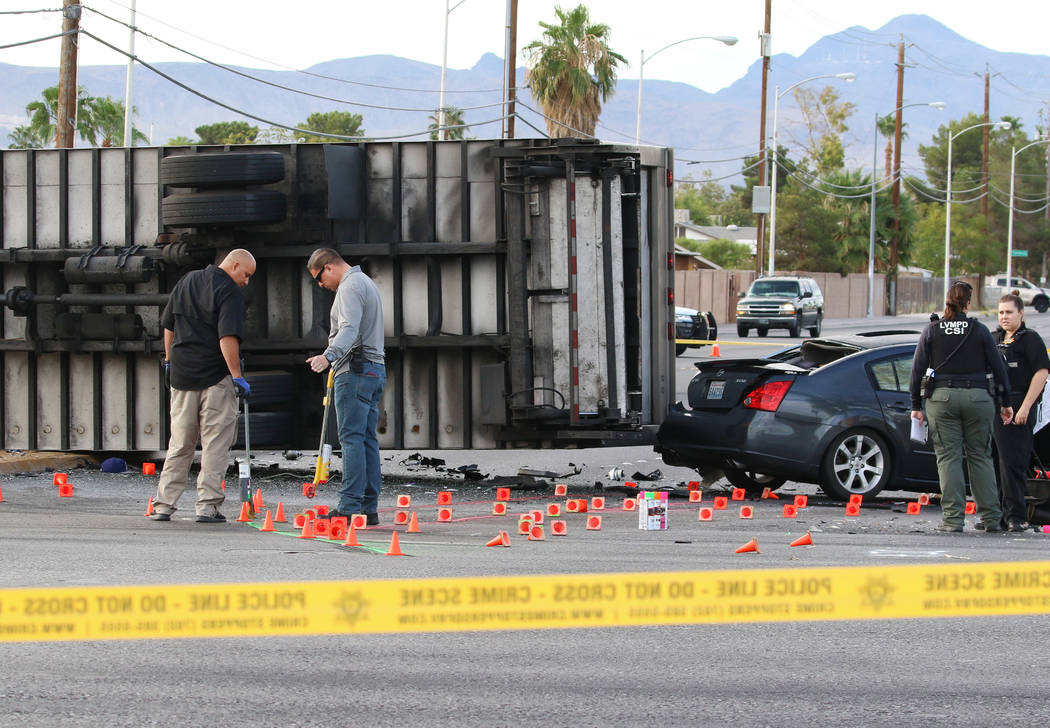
<point x="955" y="369"/>
<point x="1026" y="366"/>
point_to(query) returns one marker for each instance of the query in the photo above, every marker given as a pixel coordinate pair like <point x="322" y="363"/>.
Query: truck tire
<point x="796" y="327"/>
<point x="814" y="330"/>
<point x="268" y="428"/>
<point x="270" y="387"/>
<point x="741" y="331"/>
<point x="1041" y="303"/>
<point x="222" y="170"/>
<point x="226" y="207"/>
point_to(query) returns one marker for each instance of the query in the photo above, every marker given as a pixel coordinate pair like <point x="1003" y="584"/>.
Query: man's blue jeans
<point x="357" y="409"/>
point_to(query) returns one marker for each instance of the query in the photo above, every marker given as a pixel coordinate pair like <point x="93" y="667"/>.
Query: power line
<point x="280" y="86"/>
<point x="296" y="70"/>
<point x="310" y="132"/>
<point x="37" y="40"/>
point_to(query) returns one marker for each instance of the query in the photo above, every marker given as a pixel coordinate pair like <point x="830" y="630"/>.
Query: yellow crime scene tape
<point x="733" y="343"/>
<point x="524" y="602"/>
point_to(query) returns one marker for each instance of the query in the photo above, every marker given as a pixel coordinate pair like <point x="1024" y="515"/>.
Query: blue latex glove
<point x="243" y="384"/>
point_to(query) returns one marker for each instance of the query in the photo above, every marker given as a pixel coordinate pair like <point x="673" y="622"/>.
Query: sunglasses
<point x="317" y="278"/>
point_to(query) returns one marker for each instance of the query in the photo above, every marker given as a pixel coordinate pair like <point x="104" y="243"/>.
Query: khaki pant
<point x="209" y="415"/>
<point x="961" y="424"/>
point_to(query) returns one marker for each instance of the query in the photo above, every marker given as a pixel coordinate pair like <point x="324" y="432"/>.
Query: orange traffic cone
<point x="246" y="514"/>
<point x="149" y="507"/>
<point x="768" y="493"/>
<point x="351" y="537"/>
<point x="413" y="524"/>
<point x="279" y="516"/>
<point x="257" y="502"/>
<point x="395" y="546"/>
<point x="751" y="547"/>
<point x="502" y="539"/>
<point x="715" y="351"/>
<point x="267" y="522"/>
<point x="804" y="540"/>
<point x="308" y="529"/>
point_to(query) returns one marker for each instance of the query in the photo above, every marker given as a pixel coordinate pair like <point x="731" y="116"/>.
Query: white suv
<point x="1032" y="295"/>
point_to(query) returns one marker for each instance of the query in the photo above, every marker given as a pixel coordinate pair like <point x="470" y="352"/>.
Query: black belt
<point x="939" y="382"/>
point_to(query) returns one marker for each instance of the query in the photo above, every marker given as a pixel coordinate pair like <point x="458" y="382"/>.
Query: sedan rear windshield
<point x="774" y="288"/>
<point x="815" y="353"/>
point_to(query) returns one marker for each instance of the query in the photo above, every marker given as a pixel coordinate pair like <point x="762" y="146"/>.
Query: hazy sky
<point x="300" y="34"/>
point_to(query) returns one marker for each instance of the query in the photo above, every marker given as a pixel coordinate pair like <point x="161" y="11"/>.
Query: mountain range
<point x="940" y="66"/>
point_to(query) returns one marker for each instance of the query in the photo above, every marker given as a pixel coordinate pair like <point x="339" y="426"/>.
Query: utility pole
<point x="760" y="241"/>
<point x="512" y="62"/>
<point x="984" y="148"/>
<point x="896" y="229"/>
<point x="66" y="121"/>
<point x="128" y="140"/>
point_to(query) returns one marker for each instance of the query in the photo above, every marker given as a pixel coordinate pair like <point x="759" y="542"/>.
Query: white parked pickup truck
<point x="1032" y="295"/>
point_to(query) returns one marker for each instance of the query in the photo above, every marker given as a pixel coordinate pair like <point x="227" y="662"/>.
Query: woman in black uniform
<point x="960" y="351"/>
<point x="1026" y="366"/>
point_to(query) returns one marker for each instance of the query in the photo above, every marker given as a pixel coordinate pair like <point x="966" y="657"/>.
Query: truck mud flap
<point x="223" y="208"/>
<point x="222" y="170"/>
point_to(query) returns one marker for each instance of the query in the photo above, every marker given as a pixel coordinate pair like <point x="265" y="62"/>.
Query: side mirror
<point x="807" y="294"/>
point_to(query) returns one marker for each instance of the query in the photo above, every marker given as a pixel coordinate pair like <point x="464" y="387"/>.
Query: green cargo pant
<point x="961" y="422"/>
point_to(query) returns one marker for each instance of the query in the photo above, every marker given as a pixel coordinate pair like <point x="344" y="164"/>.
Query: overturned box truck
<point x="527" y="286"/>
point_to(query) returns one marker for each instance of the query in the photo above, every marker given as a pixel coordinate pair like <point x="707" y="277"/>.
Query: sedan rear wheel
<point x="753" y="483"/>
<point x="856" y="463"/>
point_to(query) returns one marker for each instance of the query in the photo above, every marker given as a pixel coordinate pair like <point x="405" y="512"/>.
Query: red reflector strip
<point x="767" y="397"/>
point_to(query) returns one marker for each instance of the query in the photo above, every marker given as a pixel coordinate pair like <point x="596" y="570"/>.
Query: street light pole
<point x="939" y="105"/>
<point x="1010" y="224"/>
<point x="442" y="131"/>
<point x="727" y="39"/>
<point x="948" y="197"/>
<point x="848" y="77"/>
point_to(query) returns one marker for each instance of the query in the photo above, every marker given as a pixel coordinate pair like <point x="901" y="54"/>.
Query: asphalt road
<point x="882" y="672"/>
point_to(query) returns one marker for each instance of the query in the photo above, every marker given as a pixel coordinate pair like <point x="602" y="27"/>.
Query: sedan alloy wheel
<point x="856" y="463"/>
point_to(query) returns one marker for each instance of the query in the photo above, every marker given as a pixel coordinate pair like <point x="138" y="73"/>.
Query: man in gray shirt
<point x="355" y="350"/>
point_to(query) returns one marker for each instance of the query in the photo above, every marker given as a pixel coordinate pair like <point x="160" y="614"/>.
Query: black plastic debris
<point x="422" y="461"/>
<point x="655" y="475"/>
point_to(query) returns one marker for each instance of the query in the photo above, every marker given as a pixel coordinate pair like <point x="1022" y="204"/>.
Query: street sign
<point x="1019" y="253"/>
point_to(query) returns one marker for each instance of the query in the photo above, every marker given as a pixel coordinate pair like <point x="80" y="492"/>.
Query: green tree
<point x="26" y="137"/>
<point x="43" y="115"/>
<point x="887" y="126"/>
<point x="453" y="118"/>
<point x="688" y="196"/>
<point x="180" y="141"/>
<point x="726" y="253"/>
<point x="107" y="123"/>
<point x="825" y="118"/>
<point x="572" y="72"/>
<point x="227" y="132"/>
<point x="343" y="123"/>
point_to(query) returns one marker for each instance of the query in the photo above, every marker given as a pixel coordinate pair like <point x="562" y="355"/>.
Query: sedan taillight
<point x="767" y="397"/>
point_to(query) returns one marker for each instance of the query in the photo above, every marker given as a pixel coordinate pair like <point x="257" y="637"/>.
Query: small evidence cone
<point x="279" y="516"/>
<point x="497" y="540"/>
<point x="257" y="501"/>
<point x="2" y="497"/>
<point x="308" y="529"/>
<point x="803" y="540"/>
<point x="715" y="351"/>
<point x="751" y="547"/>
<point x="395" y="546"/>
<point x="149" y="507"/>
<point x="267" y="522"/>
<point x="351" y="536"/>
<point x="246" y="513"/>
<point x="413" y="524"/>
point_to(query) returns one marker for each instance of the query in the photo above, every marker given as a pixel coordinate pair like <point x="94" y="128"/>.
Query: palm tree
<point x="25" y="137"/>
<point x="453" y="119"/>
<point x="107" y="123"/>
<point x="887" y="126"/>
<point x="43" y="115"/>
<point x="573" y="71"/>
